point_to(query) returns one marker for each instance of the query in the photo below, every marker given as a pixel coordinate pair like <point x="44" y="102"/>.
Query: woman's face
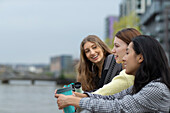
<point x="93" y="52"/>
<point x="119" y="49"/>
<point x="131" y="60"/>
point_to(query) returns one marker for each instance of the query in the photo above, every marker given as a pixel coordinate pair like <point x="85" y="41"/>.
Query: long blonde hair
<point x="88" y="72"/>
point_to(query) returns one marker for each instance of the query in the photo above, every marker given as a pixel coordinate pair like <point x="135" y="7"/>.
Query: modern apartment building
<point x="109" y="28"/>
<point x="156" y="22"/>
<point x="61" y="64"/>
<point x="139" y="6"/>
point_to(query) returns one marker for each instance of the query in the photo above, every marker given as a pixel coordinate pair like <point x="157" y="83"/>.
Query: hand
<point x="56" y="93"/>
<point x="80" y="95"/>
<point x="62" y="100"/>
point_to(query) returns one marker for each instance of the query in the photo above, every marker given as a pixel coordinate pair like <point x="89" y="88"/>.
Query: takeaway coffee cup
<point x="67" y="91"/>
<point x="77" y="87"/>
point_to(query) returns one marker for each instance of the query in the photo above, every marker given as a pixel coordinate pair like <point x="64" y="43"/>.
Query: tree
<point x="131" y="20"/>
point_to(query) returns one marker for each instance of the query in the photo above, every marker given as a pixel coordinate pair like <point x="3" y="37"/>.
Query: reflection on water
<point x="22" y="97"/>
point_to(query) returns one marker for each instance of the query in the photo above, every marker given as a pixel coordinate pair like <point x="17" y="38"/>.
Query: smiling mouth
<point x="125" y="65"/>
<point x="95" y="57"/>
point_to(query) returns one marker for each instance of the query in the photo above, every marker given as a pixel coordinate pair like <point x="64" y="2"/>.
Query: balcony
<point x="155" y="8"/>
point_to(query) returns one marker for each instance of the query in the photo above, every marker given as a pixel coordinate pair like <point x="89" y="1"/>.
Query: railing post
<point x="32" y="81"/>
<point x="55" y="81"/>
<point x="5" y="81"/>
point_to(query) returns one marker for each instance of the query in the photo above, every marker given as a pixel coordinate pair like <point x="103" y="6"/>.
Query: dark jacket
<point x="110" y="70"/>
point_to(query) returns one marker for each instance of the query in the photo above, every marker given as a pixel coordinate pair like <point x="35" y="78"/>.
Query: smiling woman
<point x="133" y="61"/>
<point x="94" y="53"/>
<point x="122" y="40"/>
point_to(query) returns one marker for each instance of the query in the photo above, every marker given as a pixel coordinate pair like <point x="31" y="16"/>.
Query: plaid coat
<point x="154" y="97"/>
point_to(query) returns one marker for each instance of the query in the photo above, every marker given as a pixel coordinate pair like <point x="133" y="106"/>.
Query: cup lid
<point x="63" y="90"/>
<point x="77" y="85"/>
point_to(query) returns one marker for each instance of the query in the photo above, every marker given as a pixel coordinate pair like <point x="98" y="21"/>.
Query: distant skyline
<point x="33" y="31"/>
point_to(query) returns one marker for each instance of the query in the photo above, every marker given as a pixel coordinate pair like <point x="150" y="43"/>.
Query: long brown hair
<point x="86" y="75"/>
<point x="127" y="34"/>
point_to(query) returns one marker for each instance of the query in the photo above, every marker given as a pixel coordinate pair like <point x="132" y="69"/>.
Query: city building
<point x="5" y="68"/>
<point x="156" y="22"/>
<point x="139" y="6"/>
<point x="61" y="64"/>
<point x="34" y="68"/>
<point x="109" y="28"/>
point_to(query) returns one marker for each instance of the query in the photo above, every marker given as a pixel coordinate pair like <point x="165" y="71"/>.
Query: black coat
<point x="110" y="70"/>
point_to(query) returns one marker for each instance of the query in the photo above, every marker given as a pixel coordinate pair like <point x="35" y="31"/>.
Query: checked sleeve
<point x="154" y="97"/>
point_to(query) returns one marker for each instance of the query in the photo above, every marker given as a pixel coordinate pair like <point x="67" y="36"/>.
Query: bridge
<point x="6" y="77"/>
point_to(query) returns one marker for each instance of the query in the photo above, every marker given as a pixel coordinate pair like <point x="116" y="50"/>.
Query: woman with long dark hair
<point x="145" y="59"/>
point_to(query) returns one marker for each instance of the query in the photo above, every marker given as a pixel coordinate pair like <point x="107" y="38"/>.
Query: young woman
<point x="123" y="80"/>
<point x="146" y="60"/>
<point x="93" y="54"/>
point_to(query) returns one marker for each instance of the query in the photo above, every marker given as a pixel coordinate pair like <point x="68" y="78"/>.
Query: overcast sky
<point x="32" y="31"/>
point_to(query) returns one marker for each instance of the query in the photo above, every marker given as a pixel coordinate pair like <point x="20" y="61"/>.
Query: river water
<point x="22" y="97"/>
